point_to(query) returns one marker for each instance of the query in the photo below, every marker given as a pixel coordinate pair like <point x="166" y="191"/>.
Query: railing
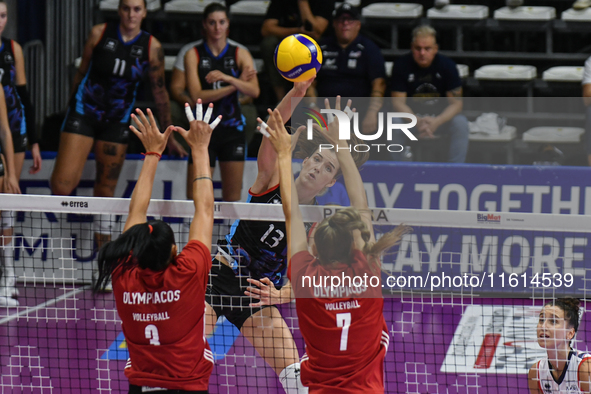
<point x="68" y="23"/>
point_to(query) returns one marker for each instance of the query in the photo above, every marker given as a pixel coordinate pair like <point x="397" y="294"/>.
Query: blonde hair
<point x="334" y="239"/>
<point x="422" y="31"/>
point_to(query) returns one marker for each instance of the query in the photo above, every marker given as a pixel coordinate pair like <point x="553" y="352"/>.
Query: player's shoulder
<point x="367" y="43"/>
<point x="238" y="45"/>
<point x="404" y="62"/>
<point x="15" y="45"/>
<point x="194" y="248"/>
<point x="98" y="30"/>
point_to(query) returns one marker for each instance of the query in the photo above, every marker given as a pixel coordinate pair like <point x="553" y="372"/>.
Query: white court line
<point x="43" y="305"/>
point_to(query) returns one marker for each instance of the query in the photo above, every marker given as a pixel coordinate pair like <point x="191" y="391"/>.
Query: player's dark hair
<point x="570" y="307"/>
<point x="214" y="7"/>
<point x="145" y="3"/>
<point x="334" y="240"/>
<point x="147" y="245"/>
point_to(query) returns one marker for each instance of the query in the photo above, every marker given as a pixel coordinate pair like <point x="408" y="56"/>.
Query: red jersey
<point x="163" y="321"/>
<point x="346" y="338"/>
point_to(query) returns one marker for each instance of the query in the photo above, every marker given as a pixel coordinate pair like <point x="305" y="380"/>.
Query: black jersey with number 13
<point x="260" y="247"/>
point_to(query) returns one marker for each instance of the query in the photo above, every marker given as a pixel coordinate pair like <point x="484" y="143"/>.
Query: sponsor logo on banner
<point x="495" y="339"/>
<point x="488" y="218"/>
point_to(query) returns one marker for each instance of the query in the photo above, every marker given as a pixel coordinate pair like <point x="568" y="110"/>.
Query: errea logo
<point x="75" y="204"/>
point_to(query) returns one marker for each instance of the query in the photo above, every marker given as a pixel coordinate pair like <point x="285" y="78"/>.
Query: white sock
<point x="103" y="224"/>
<point x="6" y="220"/>
<point x="291" y="381"/>
<point x="7" y="255"/>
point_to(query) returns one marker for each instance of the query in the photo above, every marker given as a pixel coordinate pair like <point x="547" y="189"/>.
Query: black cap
<point x="347" y="8"/>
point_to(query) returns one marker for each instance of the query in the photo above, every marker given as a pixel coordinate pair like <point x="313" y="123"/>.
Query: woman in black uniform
<point x="116" y="57"/>
<point x="21" y="119"/>
<point x="216" y="70"/>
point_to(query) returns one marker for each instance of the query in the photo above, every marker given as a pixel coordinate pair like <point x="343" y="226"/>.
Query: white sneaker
<point x="8" y="301"/>
<point x="514" y="3"/>
<point x="581" y="4"/>
<point x="439" y="4"/>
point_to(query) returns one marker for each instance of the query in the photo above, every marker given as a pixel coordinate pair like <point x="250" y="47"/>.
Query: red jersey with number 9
<point x="163" y="321"/>
<point x="346" y="336"/>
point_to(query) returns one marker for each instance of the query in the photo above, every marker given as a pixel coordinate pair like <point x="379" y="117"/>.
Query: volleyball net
<point x="463" y="292"/>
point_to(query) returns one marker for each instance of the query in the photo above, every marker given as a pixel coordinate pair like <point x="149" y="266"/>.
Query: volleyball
<point x="298" y="57"/>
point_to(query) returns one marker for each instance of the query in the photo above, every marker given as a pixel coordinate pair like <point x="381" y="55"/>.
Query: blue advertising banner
<point x="533" y="189"/>
<point x="490" y="259"/>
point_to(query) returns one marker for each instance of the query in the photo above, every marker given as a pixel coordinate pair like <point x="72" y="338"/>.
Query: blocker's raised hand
<point x="276" y="133"/>
<point x="199" y="134"/>
<point x="148" y="132"/>
<point x="199" y="114"/>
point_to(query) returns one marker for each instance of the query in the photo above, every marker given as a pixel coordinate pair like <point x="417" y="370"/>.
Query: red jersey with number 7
<point x="163" y="321"/>
<point x="344" y="328"/>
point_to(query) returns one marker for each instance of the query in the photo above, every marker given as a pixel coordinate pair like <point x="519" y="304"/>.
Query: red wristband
<point x="153" y="154"/>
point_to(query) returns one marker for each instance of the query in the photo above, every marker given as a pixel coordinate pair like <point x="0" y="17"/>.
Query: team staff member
<point x="345" y="347"/>
<point x="21" y="119"/>
<point x="160" y="296"/>
<point x="115" y="58"/>
<point x="353" y="66"/>
<point x="214" y="73"/>
<point x="564" y="370"/>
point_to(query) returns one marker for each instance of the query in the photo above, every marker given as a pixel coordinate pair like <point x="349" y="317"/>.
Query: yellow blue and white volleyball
<point x="298" y="58"/>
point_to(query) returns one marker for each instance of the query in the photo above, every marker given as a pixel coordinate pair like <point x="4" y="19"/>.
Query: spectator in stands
<point x="587" y="101"/>
<point x="286" y="17"/>
<point x="419" y="79"/>
<point x="353" y="66"/>
<point x="216" y="70"/>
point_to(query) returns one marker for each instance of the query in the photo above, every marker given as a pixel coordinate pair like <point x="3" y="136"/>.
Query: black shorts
<point x="138" y="390"/>
<point x="225" y="294"/>
<point x="19" y="142"/>
<point x="226" y="144"/>
<point x="115" y="132"/>
<point x="1" y="168"/>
